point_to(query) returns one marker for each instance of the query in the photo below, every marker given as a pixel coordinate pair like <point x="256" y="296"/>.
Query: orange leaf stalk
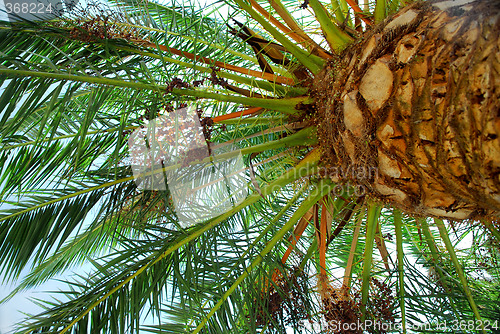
<point x="236" y="114"/>
<point x="293" y="239"/>
<point x="358" y="11"/>
<point x="208" y="61"/>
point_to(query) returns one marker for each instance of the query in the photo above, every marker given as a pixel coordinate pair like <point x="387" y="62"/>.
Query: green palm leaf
<point x="341" y="170"/>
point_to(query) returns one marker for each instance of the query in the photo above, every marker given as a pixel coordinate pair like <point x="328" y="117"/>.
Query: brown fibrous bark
<point x="418" y="99"/>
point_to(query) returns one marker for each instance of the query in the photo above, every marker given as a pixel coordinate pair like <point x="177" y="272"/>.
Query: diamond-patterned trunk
<point x="418" y="99"/>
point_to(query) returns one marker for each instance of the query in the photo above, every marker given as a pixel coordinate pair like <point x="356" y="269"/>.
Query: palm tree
<point x="365" y="137"/>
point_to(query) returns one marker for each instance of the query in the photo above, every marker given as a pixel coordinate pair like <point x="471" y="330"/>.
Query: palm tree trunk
<point x="418" y="98"/>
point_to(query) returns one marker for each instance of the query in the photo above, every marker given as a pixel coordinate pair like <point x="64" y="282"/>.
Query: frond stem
<point x="398" y="230"/>
<point x="266" y="85"/>
<point x="208" y="61"/>
<point x="284" y="105"/>
<point x="380" y="11"/>
<point x="348" y="269"/>
<point x="371" y="225"/>
<point x="451" y="251"/>
<point x="336" y="38"/>
<point x="359" y="11"/>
